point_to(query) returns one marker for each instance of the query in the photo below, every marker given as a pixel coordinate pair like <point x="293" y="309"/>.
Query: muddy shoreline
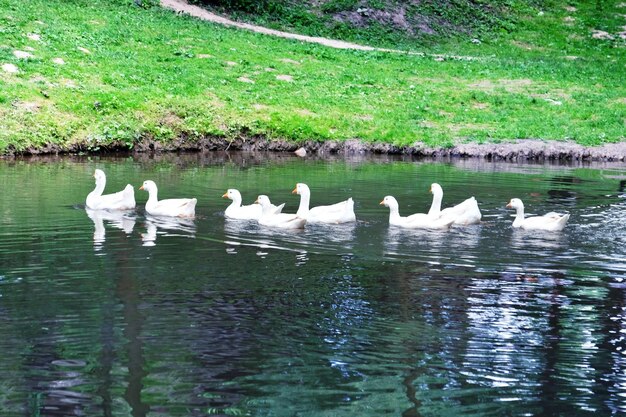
<point x="521" y="150"/>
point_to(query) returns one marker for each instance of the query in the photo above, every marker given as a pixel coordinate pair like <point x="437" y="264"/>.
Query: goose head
<point x="301" y="189"/>
<point x="390" y="202"/>
<point x="515" y="203"/>
<point x="148" y="186"/>
<point x="99" y="176"/>
<point x="264" y="201"/>
<point x="232" y="194"/>
<point x="436" y="189"/>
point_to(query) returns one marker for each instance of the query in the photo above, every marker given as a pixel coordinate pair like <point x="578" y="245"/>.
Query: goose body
<point x="463" y="214"/>
<point x="342" y="212"/>
<point x="552" y="222"/>
<point x="175" y="207"/>
<point x="271" y="218"/>
<point x="236" y="211"/>
<point x="122" y="200"/>
<point x="251" y="212"/>
<point x="414" y="221"/>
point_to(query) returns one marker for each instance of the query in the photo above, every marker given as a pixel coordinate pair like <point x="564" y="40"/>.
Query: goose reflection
<point x="240" y="227"/>
<point x="122" y="220"/>
<point x="251" y="234"/>
<point x="332" y="233"/>
<point x="167" y="226"/>
<point x="541" y="240"/>
<point x="400" y="241"/>
<point x="459" y="247"/>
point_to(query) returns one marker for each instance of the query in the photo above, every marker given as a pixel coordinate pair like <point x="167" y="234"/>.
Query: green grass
<point x="153" y="74"/>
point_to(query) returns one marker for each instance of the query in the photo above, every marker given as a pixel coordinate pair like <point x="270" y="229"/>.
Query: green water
<point x="104" y="315"/>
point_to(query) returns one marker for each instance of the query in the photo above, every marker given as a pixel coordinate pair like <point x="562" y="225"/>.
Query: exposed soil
<point x="521" y="150"/>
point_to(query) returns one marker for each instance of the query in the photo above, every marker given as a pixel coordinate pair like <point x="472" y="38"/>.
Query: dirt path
<point x="182" y="6"/>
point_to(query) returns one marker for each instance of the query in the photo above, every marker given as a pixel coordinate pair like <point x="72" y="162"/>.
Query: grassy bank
<point x="102" y="71"/>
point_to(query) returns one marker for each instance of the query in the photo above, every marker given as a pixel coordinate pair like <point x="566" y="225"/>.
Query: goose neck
<point x="394" y="214"/>
<point x="519" y="215"/>
<point x="303" y="209"/>
<point x="152" y="196"/>
<point x="100" y="184"/>
<point x="234" y="205"/>
<point x="435" y="207"/>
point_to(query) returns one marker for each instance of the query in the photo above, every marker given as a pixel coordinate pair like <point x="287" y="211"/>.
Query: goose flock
<point x="270" y="215"/>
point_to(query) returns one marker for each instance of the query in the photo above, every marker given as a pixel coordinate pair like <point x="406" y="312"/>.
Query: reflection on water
<point x="119" y="219"/>
<point x="317" y="237"/>
<point x="166" y="226"/>
<point x="202" y="317"/>
<point x="434" y="246"/>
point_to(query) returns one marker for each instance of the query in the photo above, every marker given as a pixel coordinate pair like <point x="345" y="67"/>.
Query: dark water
<point x="132" y="316"/>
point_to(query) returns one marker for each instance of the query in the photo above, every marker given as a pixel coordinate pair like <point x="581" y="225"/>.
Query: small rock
<point x="289" y="61"/>
<point x="84" y="50"/>
<point x="245" y="80"/>
<point x="284" y="77"/>
<point x="70" y="84"/>
<point x="10" y="68"/>
<point x="601" y="34"/>
<point x="29" y="106"/>
<point x="22" y="54"/>
<point x="58" y="61"/>
<point x="204" y="56"/>
<point x="553" y="102"/>
<point x="34" y="37"/>
<point x="476" y="41"/>
<point x="301" y="152"/>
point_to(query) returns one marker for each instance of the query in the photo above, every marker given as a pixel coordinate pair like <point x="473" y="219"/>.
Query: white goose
<point x="122" y="200"/>
<point x="552" y="222"/>
<point x="236" y="211"/>
<point x="271" y="218"/>
<point x="251" y="212"/>
<point x="175" y="207"/>
<point x="414" y="221"/>
<point x="342" y="212"/>
<point x="463" y="214"/>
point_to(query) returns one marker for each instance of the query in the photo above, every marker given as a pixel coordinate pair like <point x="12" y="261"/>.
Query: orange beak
<point x="141" y="188"/>
<point x="508" y="205"/>
<point x="295" y="190"/>
<point x="225" y="195"/>
<point x="382" y="203"/>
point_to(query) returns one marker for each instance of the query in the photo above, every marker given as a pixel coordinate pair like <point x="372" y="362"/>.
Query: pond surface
<point x="104" y="315"/>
